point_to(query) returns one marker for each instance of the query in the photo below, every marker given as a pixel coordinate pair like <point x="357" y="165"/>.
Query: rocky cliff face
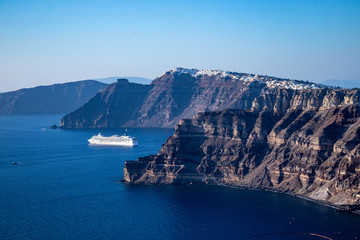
<point x="312" y="149"/>
<point x="57" y="98"/>
<point x="114" y="106"/>
<point x="181" y="93"/>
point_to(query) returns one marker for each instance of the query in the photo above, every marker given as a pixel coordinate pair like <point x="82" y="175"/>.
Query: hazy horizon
<point x="47" y="42"/>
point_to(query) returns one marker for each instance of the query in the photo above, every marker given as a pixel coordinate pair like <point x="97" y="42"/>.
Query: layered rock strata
<point x="181" y="93"/>
<point x="312" y="149"/>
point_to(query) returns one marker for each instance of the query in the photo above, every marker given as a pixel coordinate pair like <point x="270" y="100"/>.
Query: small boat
<point x="114" y="140"/>
<point x="14" y="163"/>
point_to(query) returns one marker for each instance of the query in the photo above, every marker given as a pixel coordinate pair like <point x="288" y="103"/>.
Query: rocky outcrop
<point x="181" y="93"/>
<point x="58" y="98"/>
<point x="112" y="107"/>
<point x="312" y="149"/>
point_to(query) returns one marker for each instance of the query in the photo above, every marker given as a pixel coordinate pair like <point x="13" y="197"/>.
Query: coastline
<point x="324" y="203"/>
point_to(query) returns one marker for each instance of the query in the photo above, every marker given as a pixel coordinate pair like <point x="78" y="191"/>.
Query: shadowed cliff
<point x="114" y="106"/>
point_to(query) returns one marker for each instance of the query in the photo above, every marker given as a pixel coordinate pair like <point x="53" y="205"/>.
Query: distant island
<point x="110" y="80"/>
<point x="57" y="98"/>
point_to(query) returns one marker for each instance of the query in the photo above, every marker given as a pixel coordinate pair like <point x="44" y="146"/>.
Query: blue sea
<point x="62" y="188"/>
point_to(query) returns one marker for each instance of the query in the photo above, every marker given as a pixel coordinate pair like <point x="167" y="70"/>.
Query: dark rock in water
<point x="181" y="93"/>
<point x="57" y="98"/>
<point x="53" y="126"/>
<point x="312" y="152"/>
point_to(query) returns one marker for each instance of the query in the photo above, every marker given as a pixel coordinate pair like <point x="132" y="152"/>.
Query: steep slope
<point x="58" y="98"/>
<point x="112" y="107"/>
<point x="311" y="152"/>
<point x="181" y="93"/>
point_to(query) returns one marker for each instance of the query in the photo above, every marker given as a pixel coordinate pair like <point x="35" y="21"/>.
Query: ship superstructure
<point x="116" y="140"/>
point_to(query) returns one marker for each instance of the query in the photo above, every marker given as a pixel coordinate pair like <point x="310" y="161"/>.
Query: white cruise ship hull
<point x="95" y="142"/>
<point x="113" y="140"/>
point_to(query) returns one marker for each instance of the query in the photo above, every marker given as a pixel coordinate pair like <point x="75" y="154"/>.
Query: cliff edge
<point x="312" y="151"/>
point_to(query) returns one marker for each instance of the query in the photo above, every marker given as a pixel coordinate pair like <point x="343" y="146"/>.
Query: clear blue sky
<point x="45" y="42"/>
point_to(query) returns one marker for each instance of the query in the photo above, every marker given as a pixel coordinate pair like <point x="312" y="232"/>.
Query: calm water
<point x="63" y="188"/>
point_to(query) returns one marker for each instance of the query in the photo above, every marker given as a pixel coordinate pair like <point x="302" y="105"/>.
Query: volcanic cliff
<point x="305" y="142"/>
<point x="246" y="130"/>
<point x="181" y="93"/>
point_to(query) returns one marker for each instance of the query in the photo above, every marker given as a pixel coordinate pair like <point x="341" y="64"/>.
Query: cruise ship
<point x="114" y="140"/>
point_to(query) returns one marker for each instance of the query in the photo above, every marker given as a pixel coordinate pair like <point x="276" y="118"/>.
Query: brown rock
<point x="311" y="152"/>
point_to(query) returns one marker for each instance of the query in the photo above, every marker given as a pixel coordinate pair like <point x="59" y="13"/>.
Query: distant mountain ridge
<point x="57" y="98"/>
<point x="181" y="93"/>
<point x="110" y="80"/>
